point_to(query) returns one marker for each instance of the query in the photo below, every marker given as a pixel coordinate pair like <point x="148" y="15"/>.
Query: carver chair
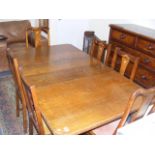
<point x="14" y="67"/>
<point x="87" y="40"/>
<point x="147" y="106"/>
<point x="98" y="49"/>
<point x="37" y="37"/>
<point x="36" y="118"/>
<point x="125" y="59"/>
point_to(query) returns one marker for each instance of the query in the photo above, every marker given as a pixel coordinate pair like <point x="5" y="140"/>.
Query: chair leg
<point x="24" y="119"/>
<point x="17" y="104"/>
<point x="90" y="133"/>
<point x="30" y="127"/>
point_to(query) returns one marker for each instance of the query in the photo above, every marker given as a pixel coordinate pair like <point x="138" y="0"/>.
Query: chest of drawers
<point x="138" y="41"/>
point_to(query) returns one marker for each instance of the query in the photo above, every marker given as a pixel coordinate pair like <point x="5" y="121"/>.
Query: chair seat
<point x="107" y="129"/>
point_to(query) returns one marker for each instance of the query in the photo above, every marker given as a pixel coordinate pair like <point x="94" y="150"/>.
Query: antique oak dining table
<point x="76" y="93"/>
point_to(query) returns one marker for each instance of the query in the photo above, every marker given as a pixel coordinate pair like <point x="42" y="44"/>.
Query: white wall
<point x="71" y="31"/>
<point x="68" y="31"/>
<point x="101" y="27"/>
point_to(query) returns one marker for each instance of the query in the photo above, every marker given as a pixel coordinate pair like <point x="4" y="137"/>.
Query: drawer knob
<point x="144" y="77"/>
<point x="146" y="60"/>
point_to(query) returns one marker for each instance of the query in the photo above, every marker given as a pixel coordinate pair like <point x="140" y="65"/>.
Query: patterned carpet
<point x="10" y="124"/>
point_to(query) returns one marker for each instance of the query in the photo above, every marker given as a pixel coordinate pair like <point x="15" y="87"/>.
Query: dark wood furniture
<point x="140" y="42"/>
<point x="87" y="40"/>
<point x="125" y="59"/>
<point x="98" y="49"/>
<point x="74" y="94"/>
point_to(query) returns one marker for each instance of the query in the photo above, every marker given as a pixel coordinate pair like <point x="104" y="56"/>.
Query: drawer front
<point x="146" y="60"/>
<point x="145" y="78"/>
<point x="122" y="37"/>
<point x="146" y="46"/>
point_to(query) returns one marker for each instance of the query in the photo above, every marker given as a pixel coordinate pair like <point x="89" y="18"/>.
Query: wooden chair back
<point x="125" y="59"/>
<point x="87" y="40"/>
<point x="43" y="22"/>
<point x="35" y="117"/>
<point x="14" y="67"/>
<point x="36" y="31"/>
<point x="46" y="30"/>
<point x="148" y="98"/>
<point x="98" y="49"/>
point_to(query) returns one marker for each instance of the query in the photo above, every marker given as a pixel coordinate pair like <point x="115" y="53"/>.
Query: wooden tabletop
<point x="75" y="92"/>
<point x="49" y="59"/>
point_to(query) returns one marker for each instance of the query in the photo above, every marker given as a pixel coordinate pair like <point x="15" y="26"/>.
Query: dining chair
<point x="146" y="97"/>
<point x="98" y="49"/>
<point x="14" y="67"/>
<point x="43" y="22"/>
<point x="87" y="40"/>
<point x="125" y="59"/>
<point x="36" y="118"/>
<point x="36" y="32"/>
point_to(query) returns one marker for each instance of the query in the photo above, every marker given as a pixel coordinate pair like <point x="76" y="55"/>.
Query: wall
<point x="101" y="27"/>
<point x="68" y="31"/>
<point x="71" y="31"/>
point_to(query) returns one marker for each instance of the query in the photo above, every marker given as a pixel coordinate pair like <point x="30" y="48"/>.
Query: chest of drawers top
<point x="135" y="37"/>
<point x="136" y="30"/>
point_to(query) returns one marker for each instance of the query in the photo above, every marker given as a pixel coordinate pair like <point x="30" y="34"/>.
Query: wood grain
<point x="75" y="92"/>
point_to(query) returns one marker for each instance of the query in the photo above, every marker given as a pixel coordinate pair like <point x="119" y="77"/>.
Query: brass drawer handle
<point x="146" y="60"/>
<point x="144" y="77"/>
<point x="122" y="36"/>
